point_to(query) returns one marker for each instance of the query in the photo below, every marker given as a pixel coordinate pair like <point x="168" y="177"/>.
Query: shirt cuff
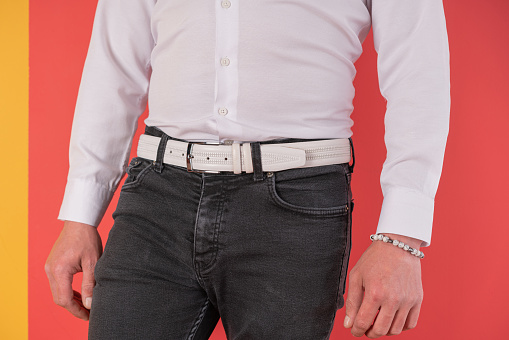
<point x="407" y="212"/>
<point x="85" y="202"/>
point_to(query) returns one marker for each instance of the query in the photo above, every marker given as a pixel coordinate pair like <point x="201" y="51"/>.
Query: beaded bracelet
<point x="399" y="244"/>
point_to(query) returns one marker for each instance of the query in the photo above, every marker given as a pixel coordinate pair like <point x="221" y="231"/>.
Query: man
<point x="254" y="226"/>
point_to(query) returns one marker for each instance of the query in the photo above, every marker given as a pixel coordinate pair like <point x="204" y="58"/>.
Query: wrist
<point x="412" y="242"/>
<point x="75" y="224"/>
<point x="388" y="238"/>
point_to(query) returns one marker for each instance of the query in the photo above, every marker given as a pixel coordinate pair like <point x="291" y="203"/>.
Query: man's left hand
<point x="386" y="280"/>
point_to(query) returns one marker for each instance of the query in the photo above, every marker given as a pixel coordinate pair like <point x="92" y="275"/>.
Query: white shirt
<point x="259" y="70"/>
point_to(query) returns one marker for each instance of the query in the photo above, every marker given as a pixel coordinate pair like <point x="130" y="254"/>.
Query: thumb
<point x="87" y="285"/>
<point x="353" y="301"/>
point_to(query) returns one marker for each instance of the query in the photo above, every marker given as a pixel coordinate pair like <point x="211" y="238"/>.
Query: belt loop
<point x="350" y="167"/>
<point x="256" y="156"/>
<point x="153" y="131"/>
<point x="160" y="153"/>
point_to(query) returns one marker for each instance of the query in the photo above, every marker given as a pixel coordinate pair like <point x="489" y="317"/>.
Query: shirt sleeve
<point x="112" y="95"/>
<point x="410" y="38"/>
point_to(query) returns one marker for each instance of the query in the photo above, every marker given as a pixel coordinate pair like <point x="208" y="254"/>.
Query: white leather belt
<point x="236" y="157"/>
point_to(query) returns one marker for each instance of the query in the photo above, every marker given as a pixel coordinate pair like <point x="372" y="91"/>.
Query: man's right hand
<point x="77" y="249"/>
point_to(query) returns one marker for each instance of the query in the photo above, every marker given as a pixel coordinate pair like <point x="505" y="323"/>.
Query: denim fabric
<point x="268" y="256"/>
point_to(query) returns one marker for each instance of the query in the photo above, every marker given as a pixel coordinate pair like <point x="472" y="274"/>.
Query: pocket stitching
<point x="139" y="177"/>
<point x="332" y="211"/>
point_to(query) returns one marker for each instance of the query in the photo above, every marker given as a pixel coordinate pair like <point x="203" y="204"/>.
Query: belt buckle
<point x="189" y="155"/>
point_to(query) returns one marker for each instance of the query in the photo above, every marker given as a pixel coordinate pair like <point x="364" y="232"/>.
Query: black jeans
<point x="268" y="256"/>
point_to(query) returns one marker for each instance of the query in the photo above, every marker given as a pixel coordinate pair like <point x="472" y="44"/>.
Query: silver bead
<point x="398" y="244"/>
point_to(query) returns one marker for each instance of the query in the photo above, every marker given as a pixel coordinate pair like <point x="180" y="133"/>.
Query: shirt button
<point x="226" y="4"/>
<point x="223" y="111"/>
<point x="225" y="61"/>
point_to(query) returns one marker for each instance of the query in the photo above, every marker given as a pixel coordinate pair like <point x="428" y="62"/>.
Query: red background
<point x="465" y="271"/>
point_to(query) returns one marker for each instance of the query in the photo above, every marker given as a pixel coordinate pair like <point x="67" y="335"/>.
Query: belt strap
<point x="236" y="157"/>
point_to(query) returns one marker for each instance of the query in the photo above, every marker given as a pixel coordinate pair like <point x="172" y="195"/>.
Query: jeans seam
<point x="195" y="263"/>
<point x="217" y="224"/>
<point x="198" y="320"/>
<point x="346" y="253"/>
<point x="331" y="325"/>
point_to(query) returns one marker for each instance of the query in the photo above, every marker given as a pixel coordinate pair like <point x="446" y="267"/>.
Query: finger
<point x="413" y="316"/>
<point x="85" y="313"/>
<point x="382" y="323"/>
<point x="87" y="284"/>
<point x="366" y="315"/>
<point x="77" y="298"/>
<point x="353" y="300"/>
<point x="65" y="296"/>
<point x="399" y="321"/>
<point x="52" y="285"/>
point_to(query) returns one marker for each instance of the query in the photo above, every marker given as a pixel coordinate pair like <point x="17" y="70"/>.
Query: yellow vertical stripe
<point x="14" y="169"/>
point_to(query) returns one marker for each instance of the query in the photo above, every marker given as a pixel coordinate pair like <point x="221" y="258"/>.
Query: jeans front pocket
<point x="317" y="191"/>
<point x="136" y="170"/>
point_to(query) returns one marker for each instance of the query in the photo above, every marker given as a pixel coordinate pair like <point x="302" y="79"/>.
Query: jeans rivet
<point x="270" y="174"/>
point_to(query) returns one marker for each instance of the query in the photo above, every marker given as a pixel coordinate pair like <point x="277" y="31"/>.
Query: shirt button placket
<point x="227" y="40"/>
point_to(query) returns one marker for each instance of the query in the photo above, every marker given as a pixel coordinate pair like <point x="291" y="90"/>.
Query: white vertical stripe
<point x="227" y="44"/>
